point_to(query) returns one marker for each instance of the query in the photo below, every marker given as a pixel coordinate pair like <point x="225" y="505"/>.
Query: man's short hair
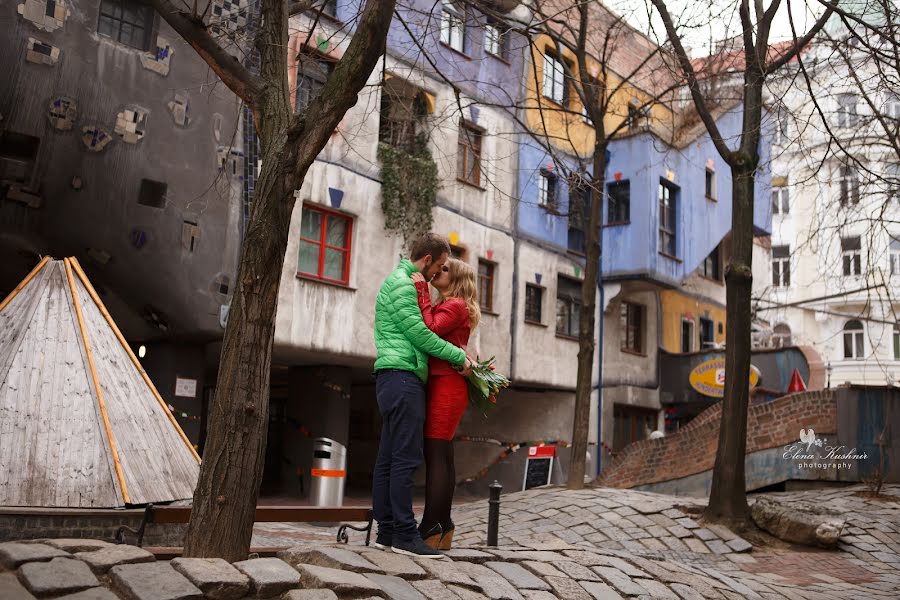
<point x="430" y="244"/>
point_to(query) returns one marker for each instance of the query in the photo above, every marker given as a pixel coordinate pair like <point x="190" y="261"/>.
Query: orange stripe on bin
<point x="328" y="473"/>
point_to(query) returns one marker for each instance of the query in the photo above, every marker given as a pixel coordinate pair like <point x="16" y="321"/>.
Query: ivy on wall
<point x="408" y="189"/>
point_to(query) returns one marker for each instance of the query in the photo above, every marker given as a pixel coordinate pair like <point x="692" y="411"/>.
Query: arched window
<point x="781" y="336"/>
<point x="854" y="344"/>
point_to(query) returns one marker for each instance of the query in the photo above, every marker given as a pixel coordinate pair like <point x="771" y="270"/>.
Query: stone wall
<point x="692" y="450"/>
<point x="35" y="523"/>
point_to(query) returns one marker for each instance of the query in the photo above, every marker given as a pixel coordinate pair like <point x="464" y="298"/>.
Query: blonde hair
<point x="463" y="286"/>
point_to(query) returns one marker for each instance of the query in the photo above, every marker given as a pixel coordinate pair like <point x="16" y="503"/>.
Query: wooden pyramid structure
<point x="81" y="424"/>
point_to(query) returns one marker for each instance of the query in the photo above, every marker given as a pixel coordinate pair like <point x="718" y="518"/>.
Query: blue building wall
<point x="632" y="249"/>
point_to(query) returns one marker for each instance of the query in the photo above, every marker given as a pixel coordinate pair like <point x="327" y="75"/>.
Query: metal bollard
<point x="493" y="513"/>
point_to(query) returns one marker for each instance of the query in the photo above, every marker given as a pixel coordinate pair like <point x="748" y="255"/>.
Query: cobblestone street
<point x="595" y="544"/>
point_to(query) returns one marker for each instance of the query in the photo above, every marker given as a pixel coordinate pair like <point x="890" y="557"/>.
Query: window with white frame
<point x="851" y="253"/>
<point x="895" y="254"/>
<point x="547" y="189"/>
<point x="892" y="108"/>
<point x="781" y="200"/>
<point x="555" y="87"/>
<point x="847" y="115"/>
<point x="854" y="340"/>
<point x="495" y="39"/>
<point x="668" y="196"/>
<point x="848" y="185"/>
<point x="453" y="26"/>
<point x="780" y="130"/>
<point x="781" y="266"/>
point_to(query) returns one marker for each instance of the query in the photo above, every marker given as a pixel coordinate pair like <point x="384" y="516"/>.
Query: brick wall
<point x="692" y="450"/>
<point x="30" y="523"/>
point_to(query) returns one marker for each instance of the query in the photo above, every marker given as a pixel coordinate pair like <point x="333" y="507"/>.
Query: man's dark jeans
<point x="401" y="401"/>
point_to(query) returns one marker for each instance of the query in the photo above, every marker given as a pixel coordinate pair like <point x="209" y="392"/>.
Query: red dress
<point x="448" y="392"/>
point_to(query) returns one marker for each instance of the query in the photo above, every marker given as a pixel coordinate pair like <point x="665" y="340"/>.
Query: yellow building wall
<point x="676" y="306"/>
<point x="567" y="129"/>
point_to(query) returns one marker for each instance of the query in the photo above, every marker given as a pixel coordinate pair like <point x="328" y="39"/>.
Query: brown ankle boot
<point x="433" y="537"/>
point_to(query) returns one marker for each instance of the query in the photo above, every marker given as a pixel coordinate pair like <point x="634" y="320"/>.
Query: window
<point x="579" y="214"/>
<point x="153" y="193"/>
<point x="534" y="299"/>
<point x="619" y="203"/>
<point x="846" y="112"/>
<point x="18" y="154"/>
<point x="707" y="333"/>
<point x="854" y="342"/>
<point x="781" y="200"/>
<point x="712" y="267"/>
<point x="547" y="189"/>
<point x="453" y="26"/>
<point x="667" y="194"/>
<point x="687" y="335"/>
<point x="892" y="109"/>
<point x="895" y="254"/>
<point x="781" y="266"/>
<point x="555" y="87"/>
<point x="495" y="39"/>
<point x="896" y="341"/>
<point x="848" y="182"/>
<point x="325" y="238"/>
<point x="458" y="252"/>
<point x="710" y="184"/>
<point x="404" y="109"/>
<point x="781" y="336"/>
<point x="632" y="424"/>
<point x="128" y="22"/>
<point x="486" y="285"/>
<point x="851" y="252"/>
<point x="632" y="322"/>
<point x="329" y="7"/>
<point x="780" y="131"/>
<point x="312" y="73"/>
<point x="636" y="117"/>
<point x="568" y="306"/>
<point x="468" y="154"/>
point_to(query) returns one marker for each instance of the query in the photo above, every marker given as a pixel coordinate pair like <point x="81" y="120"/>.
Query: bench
<point x="173" y="515"/>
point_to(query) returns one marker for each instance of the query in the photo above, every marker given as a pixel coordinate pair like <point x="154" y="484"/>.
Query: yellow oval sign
<point x="708" y="378"/>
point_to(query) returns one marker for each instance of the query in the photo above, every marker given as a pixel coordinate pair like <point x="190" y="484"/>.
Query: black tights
<point x="440" y="482"/>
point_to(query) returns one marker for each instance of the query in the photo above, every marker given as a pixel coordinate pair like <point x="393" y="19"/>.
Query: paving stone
<point x="568" y="589"/>
<point x="59" y="576"/>
<point x="520" y="578"/>
<point x="658" y="591"/>
<point x="448" y="572"/>
<point x="600" y="591"/>
<point x="97" y="593"/>
<point x="152" y="581"/>
<point x="688" y="523"/>
<point x="76" y="545"/>
<point x="434" y="590"/>
<point x="13" y="554"/>
<point x="492" y="585"/>
<point x="538" y="595"/>
<point x="309" y="595"/>
<point x="215" y="577"/>
<point x="269" y="576"/>
<point x="101" y="561"/>
<point x="697" y="546"/>
<point x="721" y="531"/>
<point x="542" y="569"/>
<point x="576" y="571"/>
<point x="395" y="588"/>
<point x="617" y="563"/>
<point x="469" y="555"/>
<point x="620" y="581"/>
<point x="679" y="531"/>
<point x="685" y="592"/>
<point x="392" y="563"/>
<point x="705" y="534"/>
<point x="328" y="556"/>
<point x="739" y="544"/>
<point x="343" y="583"/>
<point x="465" y="593"/>
<point x="718" y="547"/>
<point x="11" y="588"/>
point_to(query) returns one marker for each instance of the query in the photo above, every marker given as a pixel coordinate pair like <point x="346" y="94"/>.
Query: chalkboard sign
<point x="538" y="466"/>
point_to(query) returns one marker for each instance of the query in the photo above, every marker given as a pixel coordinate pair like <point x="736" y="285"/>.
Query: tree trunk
<point x="728" y="497"/>
<point x="587" y="322"/>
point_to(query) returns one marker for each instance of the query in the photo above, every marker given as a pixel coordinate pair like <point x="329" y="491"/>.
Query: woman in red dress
<point x="453" y="318"/>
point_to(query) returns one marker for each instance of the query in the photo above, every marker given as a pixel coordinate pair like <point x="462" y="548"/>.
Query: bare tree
<point x="225" y="499"/>
<point x="728" y="498"/>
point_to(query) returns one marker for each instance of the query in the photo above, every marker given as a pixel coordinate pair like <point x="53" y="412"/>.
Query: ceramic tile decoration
<point x="46" y="15"/>
<point x="62" y="113"/>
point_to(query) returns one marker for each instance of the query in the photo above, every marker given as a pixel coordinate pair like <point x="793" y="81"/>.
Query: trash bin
<point x="329" y="466"/>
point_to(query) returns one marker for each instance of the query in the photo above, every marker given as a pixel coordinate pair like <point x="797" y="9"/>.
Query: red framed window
<point x="325" y="242"/>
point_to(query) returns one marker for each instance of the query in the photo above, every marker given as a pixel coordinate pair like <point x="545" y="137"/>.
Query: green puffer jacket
<point x="402" y="339"/>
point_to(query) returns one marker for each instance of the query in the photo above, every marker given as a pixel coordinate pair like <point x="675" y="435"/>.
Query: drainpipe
<point x="600" y="359"/>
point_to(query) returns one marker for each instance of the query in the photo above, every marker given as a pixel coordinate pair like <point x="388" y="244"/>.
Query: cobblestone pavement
<point x="550" y="547"/>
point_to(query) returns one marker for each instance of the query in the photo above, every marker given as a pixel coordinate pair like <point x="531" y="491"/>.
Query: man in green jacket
<point x="404" y="342"/>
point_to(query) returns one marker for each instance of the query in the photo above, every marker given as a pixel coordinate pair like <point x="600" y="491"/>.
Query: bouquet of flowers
<point x="484" y="385"/>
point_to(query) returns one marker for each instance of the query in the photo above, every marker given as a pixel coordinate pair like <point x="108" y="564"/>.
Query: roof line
<point x="93" y="294"/>
<point x="99" y="392"/>
<point x="24" y="282"/>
